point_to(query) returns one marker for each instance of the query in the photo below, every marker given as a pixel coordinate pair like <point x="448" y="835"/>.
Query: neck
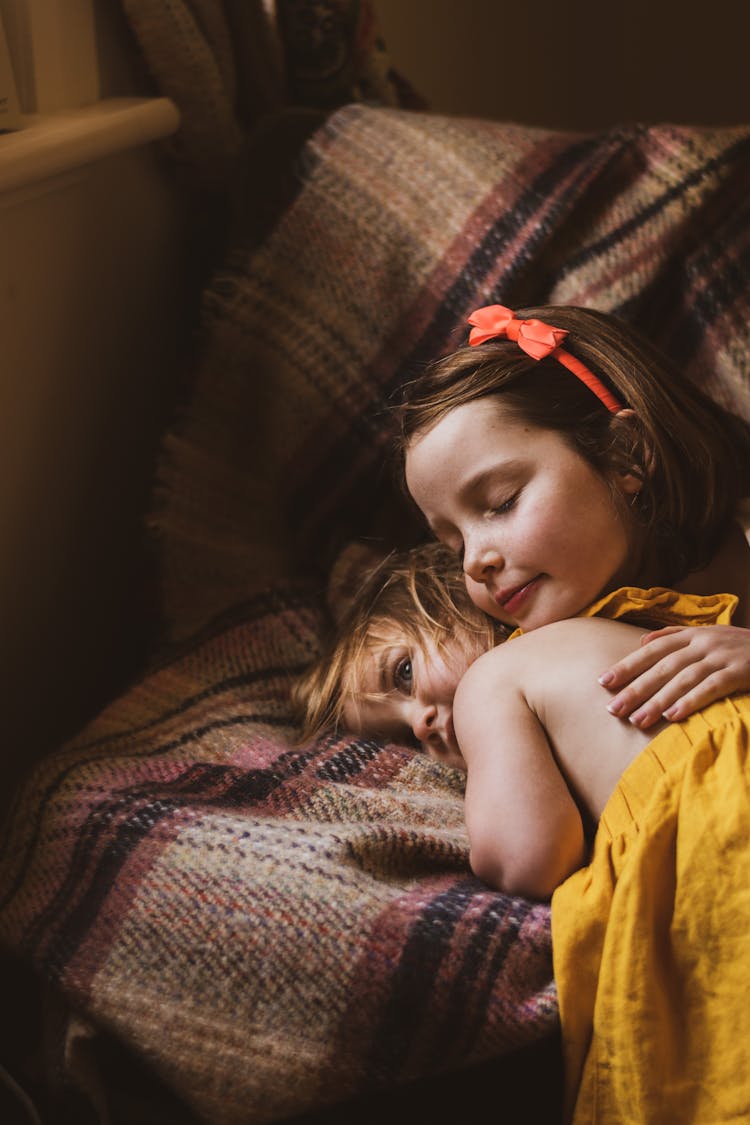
<point x="728" y="572"/>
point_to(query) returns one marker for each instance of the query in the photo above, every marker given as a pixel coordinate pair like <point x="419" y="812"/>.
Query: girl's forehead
<point x="479" y="440"/>
<point x="479" y="431"/>
<point x="490" y="410"/>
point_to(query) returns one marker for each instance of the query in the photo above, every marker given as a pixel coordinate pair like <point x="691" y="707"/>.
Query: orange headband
<point x="538" y="340"/>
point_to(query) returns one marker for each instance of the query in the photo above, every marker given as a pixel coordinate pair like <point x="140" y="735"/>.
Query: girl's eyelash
<point x="403" y="680"/>
<point x="506" y="506"/>
<point x="404" y="673"/>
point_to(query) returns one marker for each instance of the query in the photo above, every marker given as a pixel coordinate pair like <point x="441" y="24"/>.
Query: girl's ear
<point x="634" y="456"/>
<point x="352" y="568"/>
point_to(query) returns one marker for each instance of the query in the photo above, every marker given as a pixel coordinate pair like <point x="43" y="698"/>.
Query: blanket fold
<point x="272" y="928"/>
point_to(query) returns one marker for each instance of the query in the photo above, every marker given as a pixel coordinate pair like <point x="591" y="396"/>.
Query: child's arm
<point x="525" y="830"/>
<point x="679" y="670"/>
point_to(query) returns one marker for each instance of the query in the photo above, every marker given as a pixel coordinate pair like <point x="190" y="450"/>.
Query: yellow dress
<point x="651" y="941"/>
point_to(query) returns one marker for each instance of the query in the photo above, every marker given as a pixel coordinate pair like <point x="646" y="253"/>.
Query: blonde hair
<point x="419" y="595"/>
<point x="692" y="455"/>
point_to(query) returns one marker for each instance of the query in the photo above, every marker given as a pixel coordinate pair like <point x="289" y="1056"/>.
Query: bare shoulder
<point x="579" y="644"/>
<point x="589" y="633"/>
<point x="541" y="693"/>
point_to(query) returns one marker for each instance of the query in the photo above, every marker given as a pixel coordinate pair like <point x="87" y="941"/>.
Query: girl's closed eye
<point x="503" y="507"/>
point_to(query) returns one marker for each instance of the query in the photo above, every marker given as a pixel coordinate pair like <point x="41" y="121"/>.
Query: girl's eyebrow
<point x="479" y="479"/>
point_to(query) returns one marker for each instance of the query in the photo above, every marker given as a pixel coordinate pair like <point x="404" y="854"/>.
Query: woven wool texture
<point x="275" y="927"/>
<point x="270" y="928"/>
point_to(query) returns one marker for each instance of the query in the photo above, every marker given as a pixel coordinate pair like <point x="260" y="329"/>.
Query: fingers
<point x="666" y="631"/>
<point x="678" y="670"/>
<point x="679" y="697"/>
<point x="646" y="698"/>
<point x="715" y="686"/>
<point x="650" y="655"/>
<point x="673" y="668"/>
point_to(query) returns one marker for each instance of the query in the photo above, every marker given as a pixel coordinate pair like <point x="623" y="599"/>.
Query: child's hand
<point x="678" y="670"/>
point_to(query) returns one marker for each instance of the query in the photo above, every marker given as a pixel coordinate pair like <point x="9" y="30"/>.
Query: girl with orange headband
<point x="561" y="457"/>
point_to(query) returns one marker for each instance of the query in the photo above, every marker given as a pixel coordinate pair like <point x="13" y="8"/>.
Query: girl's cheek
<point x="479" y="595"/>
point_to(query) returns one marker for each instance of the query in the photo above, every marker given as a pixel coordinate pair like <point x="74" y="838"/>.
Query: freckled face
<point x="540" y="532"/>
<point x="414" y="686"/>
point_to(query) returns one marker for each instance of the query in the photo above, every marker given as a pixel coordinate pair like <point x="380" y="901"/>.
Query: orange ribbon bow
<point x="535" y="337"/>
<point x="538" y="340"/>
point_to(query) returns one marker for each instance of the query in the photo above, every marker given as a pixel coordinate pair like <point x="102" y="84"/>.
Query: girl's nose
<point x="423" y="722"/>
<point x="481" y="560"/>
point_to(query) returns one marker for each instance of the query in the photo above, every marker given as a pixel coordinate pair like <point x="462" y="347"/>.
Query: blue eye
<point x="403" y="675"/>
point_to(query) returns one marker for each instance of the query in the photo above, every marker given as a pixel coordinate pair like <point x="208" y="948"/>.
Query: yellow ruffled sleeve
<point x="658" y="606"/>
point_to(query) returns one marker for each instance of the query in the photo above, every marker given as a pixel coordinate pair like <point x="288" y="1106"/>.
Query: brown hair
<point x="692" y="455"/>
<point x="422" y="593"/>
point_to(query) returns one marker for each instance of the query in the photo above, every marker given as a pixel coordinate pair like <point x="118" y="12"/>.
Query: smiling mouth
<point x="511" y="601"/>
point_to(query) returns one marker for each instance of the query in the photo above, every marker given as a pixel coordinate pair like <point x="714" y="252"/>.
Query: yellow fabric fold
<point x="651" y="941"/>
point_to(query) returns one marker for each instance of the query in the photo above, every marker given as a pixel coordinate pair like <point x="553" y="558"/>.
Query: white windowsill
<point x="55" y="143"/>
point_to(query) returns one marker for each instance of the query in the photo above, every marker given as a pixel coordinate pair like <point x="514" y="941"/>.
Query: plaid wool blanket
<point x="275" y="927"/>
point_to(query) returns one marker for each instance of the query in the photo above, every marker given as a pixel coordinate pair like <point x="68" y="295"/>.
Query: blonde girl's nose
<point x="423" y="722"/>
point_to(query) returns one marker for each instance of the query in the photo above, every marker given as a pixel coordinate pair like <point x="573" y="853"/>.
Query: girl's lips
<point x="450" y="734"/>
<point x="514" y="601"/>
<point x="452" y="746"/>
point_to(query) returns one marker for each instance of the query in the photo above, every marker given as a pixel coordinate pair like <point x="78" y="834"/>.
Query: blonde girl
<point x="406" y="630"/>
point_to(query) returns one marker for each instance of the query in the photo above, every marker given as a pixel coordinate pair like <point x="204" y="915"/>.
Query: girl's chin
<point x="547" y="614"/>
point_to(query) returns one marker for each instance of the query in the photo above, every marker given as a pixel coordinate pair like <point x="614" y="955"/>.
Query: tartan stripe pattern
<point x="271" y="926"/>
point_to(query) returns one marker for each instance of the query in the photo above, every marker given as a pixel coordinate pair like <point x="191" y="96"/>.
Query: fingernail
<point x="607" y="678"/>
<point x="615" y="707"/>
<point x="671" y="712"/>
<point x="638" y="718"/>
